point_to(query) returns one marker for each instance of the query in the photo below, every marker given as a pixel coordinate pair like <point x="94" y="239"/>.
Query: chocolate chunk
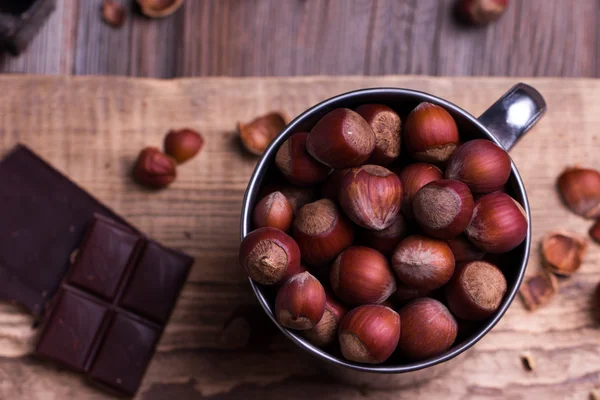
<point x="114" y="303"/>
<point x="44" y="216"/>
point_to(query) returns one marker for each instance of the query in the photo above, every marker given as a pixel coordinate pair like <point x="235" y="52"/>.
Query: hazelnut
<point x="325" y="332"/>
<point x="113" y="13"/>
<point x="371" y="196"/>
<point x="369" y="334"/>
<point x="580" y="190"/>
<point x="481" y="12"/>
<point x="385" y="124"/>
<point x="330" y="189"/>
<point x="481" y="164"/>
<point x="538" y="290"/>
<point x="413" y="178"/>
<point x="386" y="240"/>
<point x="430" y="133"/>
<point x="300" y="302"/>
<point x="273" y="210"/>
<point x="269" y="256"/>
<point x="464" y="250"/>
<point x="183" y="144"/>
<point x="322" y="232"/>
<point x="154" y="168"/>
<point x="159" y="8"/>
<point x="423" y="263"/>
<point x="428" y="329"/>
<point x="297" y="165"/>
<point x="258" y="134"/>
<point x="361" y="275"/>
<point x="341" y="139"/>
<point x="563" y="252"/>
<point x="443" y="208"/>
<point x="499" y="223"/>
<point x="476" y="290"/>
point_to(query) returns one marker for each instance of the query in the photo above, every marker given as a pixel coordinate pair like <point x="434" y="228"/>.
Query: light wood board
<point x="92" y="128"/>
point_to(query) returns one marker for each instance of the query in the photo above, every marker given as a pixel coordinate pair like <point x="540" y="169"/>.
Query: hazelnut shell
<point x="300" y="302"/>
<point x="563" y="252"/>
<point x="183" y="144"/>
<point x="154" y="168"/>
<point x="258" y="134"/>
<point x="580" y="191"/>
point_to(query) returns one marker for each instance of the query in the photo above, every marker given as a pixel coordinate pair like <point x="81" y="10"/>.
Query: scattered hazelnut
<point x="341" y="139"/>
<point x="322" y="232"/>
<point x="464" y="250"/>
<point x="563" y="252"/>
<point x="269" y="256"/>
<point x="476" y="290"/>
<point x="423" y="263"/>
<point x="258" y="134"/>
<point x="481" y="12"/>
<point x="528" y="361"/>
<point x="273" y="210"/>
<point x="538" y="290"/>
<point x="386" y="124"/>
<point x="154" y="168"/>
<point x="580" y="190"/>
<point x="413" y="178"/>
<point x="481" y="164"/>
<point x="361" y="275"/>
<point x="159" y="8"/>
<point x="443" y="208"/>
<point x="428" y="329"/>
<point x="330" y="189"/>
<point x="369" y="334"/>
<point x="300" y="302"/>
<point x="430" y="133"/>
<point x="371" y="196"/>
<point x="183" y="144"/>
<point x="499" y="223"/>
<point x="297" y="165"/>
<point x="386" y="240"/>
<point x="113" y="13"/>
<point x="325" y="332"/>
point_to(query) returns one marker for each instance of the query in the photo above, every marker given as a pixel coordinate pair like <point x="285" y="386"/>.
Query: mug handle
<point x="513" y="114"/>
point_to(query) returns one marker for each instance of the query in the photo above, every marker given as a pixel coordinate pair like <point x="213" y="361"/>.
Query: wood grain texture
<point x="92" y="129"/>
<point x="318" y="37"/>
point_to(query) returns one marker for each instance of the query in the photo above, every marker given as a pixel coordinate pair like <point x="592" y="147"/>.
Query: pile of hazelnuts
<point x="392" y="253"/>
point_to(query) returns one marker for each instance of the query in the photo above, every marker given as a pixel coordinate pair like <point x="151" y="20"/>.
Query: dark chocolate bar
<point x="113" y="305"/>
<point x="44" y="216"/>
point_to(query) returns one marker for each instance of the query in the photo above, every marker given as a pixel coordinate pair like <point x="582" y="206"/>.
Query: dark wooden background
<point x="308" y="37"/>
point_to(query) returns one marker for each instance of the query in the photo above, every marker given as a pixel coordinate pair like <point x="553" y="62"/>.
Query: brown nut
<point x="113" y="13"/>
<point x="341" y="139"/>
<point x="183" y="144"/>
<point x="386" y="240"/>
<point x="322" y="232"/>
<point x="580" y="191"/>
<point x="154" y="168"/>
<point x="325" y="332"/>
<point x="481" y="12"/>
<point x="361" y="275"/>
<point x="159" y="8"/>
<point x="563" y="252"/>
<point x="386" y="125"/>
<point x="464" y="250"/>
<point x="413" y="178"/>
<point x="423" y="263"/>
<point x="443" y="208"/>
<point x="430" y="133"/>
<point x="369" y="334"/>
<point x="269" y="256"/>
<point x="538" y="290"/>
<point x="428" y="329"/>
<point x="299" y="167"/>
<point x="476" y="290"/>
<point x="258" y="134"/>
<point x="300" y="302"/>
<point x="273" y="210"/>
<point x="371" y="196"/>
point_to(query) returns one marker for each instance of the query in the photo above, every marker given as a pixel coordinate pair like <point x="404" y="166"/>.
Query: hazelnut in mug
<point x="394" y="252"/>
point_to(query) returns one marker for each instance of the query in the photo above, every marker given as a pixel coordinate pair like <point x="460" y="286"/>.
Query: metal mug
<point x="503" y="123"/>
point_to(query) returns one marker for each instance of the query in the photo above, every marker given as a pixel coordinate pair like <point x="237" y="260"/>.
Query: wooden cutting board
<point x="92" y="128"/>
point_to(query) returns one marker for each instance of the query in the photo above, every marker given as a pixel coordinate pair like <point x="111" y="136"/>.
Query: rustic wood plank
<point x="92" y="128"/>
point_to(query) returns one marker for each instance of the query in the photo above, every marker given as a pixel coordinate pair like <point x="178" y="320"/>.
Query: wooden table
<point x="315" y="37"/>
